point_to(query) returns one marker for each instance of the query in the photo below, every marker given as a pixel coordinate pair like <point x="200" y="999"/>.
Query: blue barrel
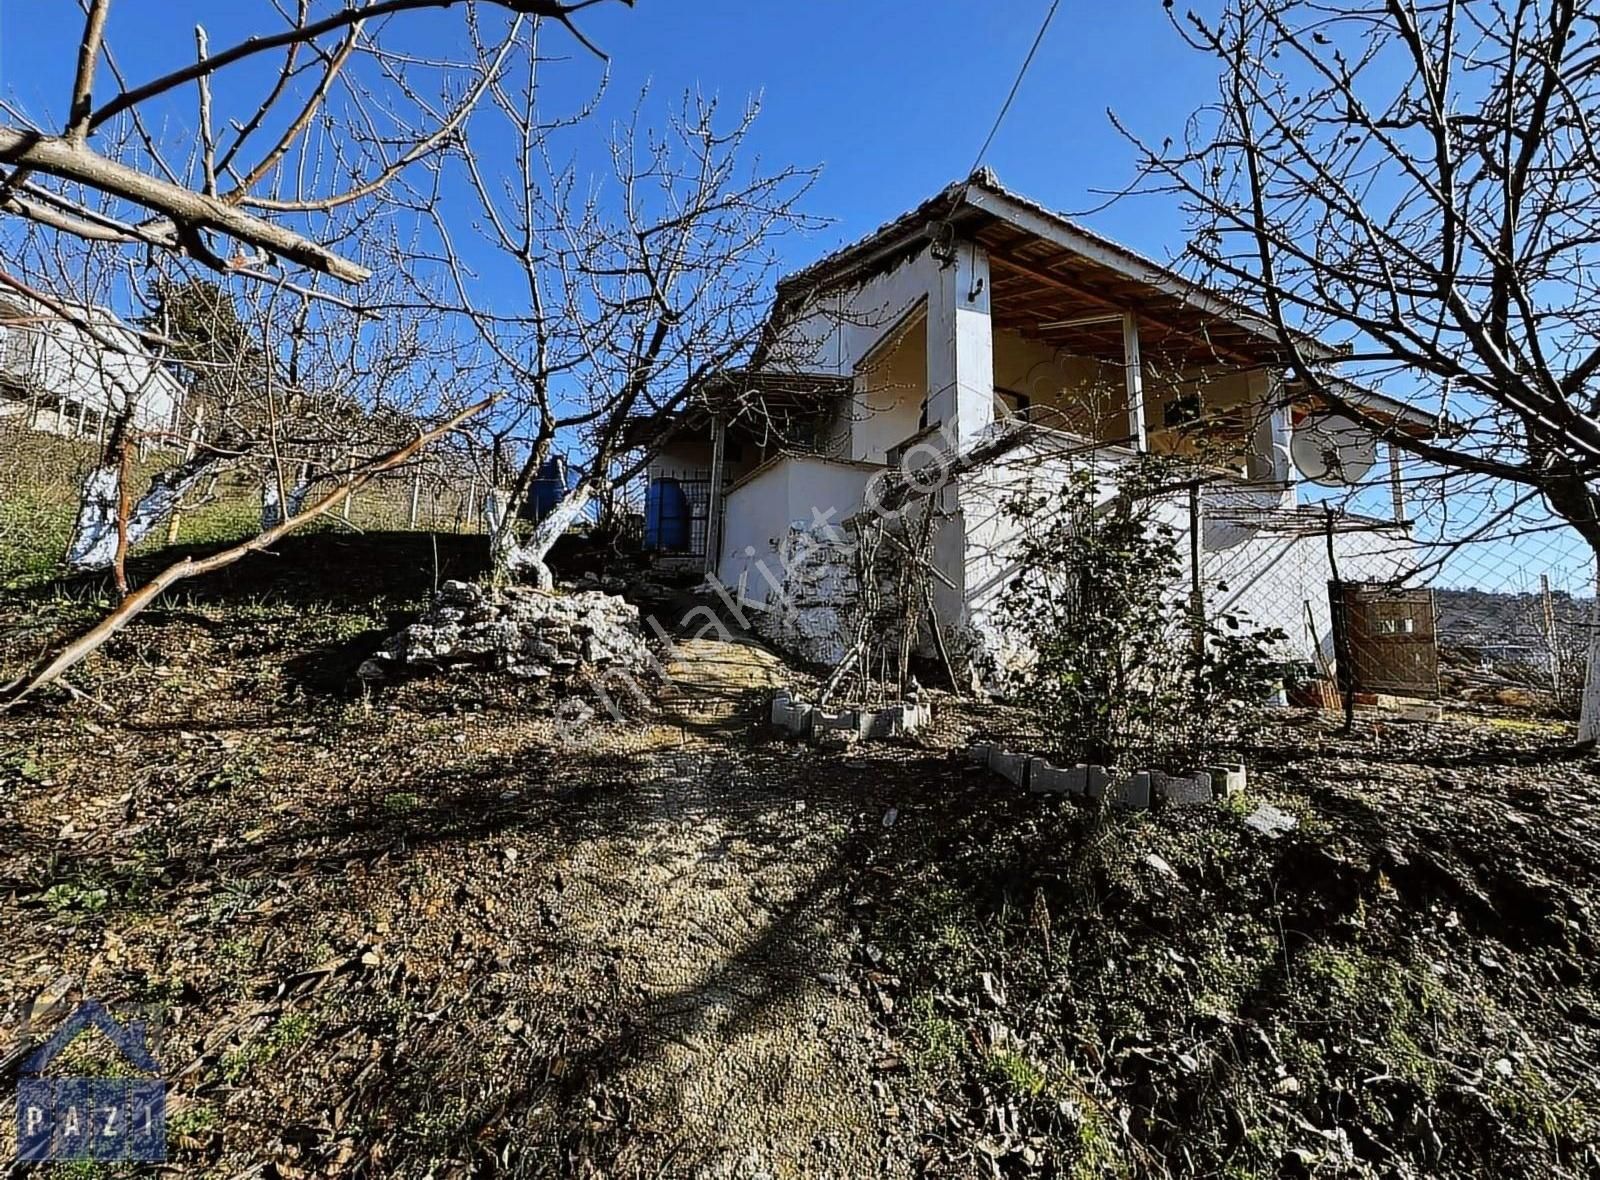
<point x="666" y="517"/>
<point x="555" y="480"/>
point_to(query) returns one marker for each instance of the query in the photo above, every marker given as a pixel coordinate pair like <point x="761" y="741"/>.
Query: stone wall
<point x="809" y="612"/>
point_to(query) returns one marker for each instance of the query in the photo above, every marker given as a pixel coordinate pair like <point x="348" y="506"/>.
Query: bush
<point x="1119" y="677"/>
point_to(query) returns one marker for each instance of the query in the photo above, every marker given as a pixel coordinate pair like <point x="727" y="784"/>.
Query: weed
<point x="935" y="1040"/>
<point x="1017" y="1074"/>
<point x="76" y="897"/>
<point x="402" y="802"/>
<point x="193" y="1120"/>
<point x="292" y="1030"/>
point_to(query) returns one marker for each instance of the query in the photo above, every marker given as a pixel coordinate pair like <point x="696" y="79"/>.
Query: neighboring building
<point x="65" y="381"/>
<point x="980" y="323"/>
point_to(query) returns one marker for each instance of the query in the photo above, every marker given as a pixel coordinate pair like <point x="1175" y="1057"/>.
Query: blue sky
<point x="891" y="97"/>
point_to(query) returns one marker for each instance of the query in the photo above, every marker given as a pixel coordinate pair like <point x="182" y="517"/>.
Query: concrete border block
<point x="1419" y="711"/>
<point x="1013" y="767"/>
<point x="1227" y="780"/>
<point x="1186" y="790"/>
<point x="844" y="726"/>
<point x="895" y="721"/>
<point x="789" y="715"/>
<point x="1133" y="792"/>
<point x="1045" y="778"/>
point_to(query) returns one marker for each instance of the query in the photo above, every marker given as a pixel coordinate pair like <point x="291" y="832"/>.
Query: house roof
<point x="1042" y="264"/>
<point x="738" y="394"/>
<point x="1051" y="280"/>
<point x="1055" y="281"/>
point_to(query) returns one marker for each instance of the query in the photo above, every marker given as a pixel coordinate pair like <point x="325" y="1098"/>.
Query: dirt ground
<point x="413" y="933"/>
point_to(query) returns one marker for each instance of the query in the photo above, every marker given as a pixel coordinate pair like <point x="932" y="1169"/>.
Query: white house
<point x="67" y="380"/>
<point x="981" y="326"/>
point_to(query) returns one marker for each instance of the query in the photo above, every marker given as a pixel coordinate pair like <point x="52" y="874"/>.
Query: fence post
<point x="1550" y="640"/>
<point x="189" y="449"/>
<point x="1344" y="665"/>
<point x="416" y="492"/>
<point x="1589" y="715"/>
<point x="1197" y="598"/>
<point x="350" y="489"/>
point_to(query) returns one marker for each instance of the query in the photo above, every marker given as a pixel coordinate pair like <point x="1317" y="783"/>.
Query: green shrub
<point x="1121" y="675"/>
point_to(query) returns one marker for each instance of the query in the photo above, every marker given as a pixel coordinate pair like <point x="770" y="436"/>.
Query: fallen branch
<point x="53" y="667"/>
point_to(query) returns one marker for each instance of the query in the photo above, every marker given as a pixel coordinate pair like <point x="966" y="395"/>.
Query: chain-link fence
<point x="1408" y="580"/>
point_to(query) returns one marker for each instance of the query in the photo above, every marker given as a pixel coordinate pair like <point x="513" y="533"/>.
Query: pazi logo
<point x="106" y="1119"/>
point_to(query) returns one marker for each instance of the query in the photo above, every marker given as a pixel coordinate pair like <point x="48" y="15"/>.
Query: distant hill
<point x="1474" y="618"/>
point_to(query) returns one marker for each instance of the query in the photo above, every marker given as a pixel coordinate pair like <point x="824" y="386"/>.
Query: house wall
<point x="994" y="535"/>
<point x="1088" y="397"/>
<point x="1071" y="393"/>
<point x="791" y="489"/>
<point x="833" y="331"/>
<point x="77" y="384"/>
<point x="887" y="407"/>
<point x="1273" y="562"/>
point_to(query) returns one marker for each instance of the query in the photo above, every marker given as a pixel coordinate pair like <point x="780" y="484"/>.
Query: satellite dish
<point x="1331" y="450"/>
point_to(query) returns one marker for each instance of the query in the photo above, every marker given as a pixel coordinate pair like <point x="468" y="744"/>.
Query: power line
<point x="1015" y="86"/>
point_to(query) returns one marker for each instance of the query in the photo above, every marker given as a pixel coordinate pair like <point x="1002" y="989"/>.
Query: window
<point x="1182" y="410"/>
<point x="1010" y="404"/>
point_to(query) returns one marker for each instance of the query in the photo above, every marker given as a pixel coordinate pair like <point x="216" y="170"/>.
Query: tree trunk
<point x="501" y="527"/>
<point x="1589" y="712"/>
<point x="94" y="534"/>
<point x="55" y="665"/>
<point x="94" y="537"/>
<point x="510" y="560"/>
<point x="271" y="510"/>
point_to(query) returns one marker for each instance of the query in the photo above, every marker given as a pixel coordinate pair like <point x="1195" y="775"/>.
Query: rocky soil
<point x="414" y="929"/>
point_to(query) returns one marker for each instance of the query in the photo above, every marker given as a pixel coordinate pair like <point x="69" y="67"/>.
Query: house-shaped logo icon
<point x="92" y="1118"/>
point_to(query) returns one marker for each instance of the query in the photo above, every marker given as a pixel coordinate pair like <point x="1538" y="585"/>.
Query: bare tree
<point x="296" y="182"/>
<point x="344" y="115"/>
<point x="1418" y="180"/>
<point x="54" y="665"/>
<point x="635" y="287"/>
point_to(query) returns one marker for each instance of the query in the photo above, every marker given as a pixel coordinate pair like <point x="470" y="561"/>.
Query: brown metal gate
<point x="1389" y="640"/>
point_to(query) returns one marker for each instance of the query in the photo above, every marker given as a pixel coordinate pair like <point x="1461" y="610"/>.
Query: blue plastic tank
<point x="555" y="480"/>
<point x="666" y="516"/>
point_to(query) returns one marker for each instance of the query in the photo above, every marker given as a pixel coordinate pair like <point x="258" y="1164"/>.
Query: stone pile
<point x="520" y="631"/>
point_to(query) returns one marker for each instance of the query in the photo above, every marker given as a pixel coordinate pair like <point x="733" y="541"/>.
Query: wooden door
<point x="1390" y="639"/>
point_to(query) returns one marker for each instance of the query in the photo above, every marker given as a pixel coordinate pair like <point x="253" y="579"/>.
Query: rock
<point x="1270" y="821"/>
<point x="520" y="631"/>
<point x="1160" y="865"/>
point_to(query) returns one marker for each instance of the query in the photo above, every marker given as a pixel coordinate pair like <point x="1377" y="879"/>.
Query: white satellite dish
<point x="1331" y="450"/>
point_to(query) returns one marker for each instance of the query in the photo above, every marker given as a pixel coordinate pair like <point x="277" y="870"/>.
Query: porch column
<point x="1397" y="487"/>
<point x="719" y="446"/>
<point x="961" y="347"/>
<point x="1133" y="374"/>
<point x="1269" y="445"/>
